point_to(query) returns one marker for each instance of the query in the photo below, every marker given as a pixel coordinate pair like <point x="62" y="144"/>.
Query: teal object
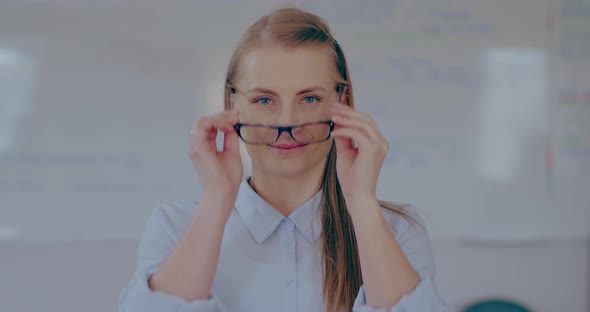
<point x="496" y="306"/>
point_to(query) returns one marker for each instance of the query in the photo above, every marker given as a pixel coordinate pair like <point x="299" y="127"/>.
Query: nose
<point x="286" y="115"/>
<point x="286" y="118"/>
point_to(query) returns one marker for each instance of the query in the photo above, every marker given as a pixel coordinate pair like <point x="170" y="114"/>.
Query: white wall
<point x="89" y="277"/>
<point x="458" y="87"/>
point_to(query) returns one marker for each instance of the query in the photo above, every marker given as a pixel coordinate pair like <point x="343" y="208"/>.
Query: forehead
<point x="286" y="69"/>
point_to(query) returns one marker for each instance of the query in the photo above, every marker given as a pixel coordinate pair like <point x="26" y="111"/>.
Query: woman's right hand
<point x="220" y="172"/>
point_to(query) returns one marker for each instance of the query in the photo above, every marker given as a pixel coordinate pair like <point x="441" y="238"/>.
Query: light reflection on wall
<point x="17" y="81"/>
<point x="514" y="107"/>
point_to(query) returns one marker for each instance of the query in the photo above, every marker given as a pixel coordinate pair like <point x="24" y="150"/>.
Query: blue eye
<point x="310" y="99"/>
<point x="264" y="101"/>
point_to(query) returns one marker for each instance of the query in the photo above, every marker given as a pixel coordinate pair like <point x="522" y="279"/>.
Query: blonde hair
<point x="291" y="28"/>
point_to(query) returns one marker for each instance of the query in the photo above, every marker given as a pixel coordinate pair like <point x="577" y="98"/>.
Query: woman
<point x="305" y="232"/>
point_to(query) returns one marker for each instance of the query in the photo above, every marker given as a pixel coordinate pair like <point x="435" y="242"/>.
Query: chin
<point x="287" y="167"/>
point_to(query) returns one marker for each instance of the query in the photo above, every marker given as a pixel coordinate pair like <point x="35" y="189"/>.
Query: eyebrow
<point x="306" y="90"/>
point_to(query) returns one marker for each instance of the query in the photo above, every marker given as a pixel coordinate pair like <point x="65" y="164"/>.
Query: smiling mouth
<point x="288" y="146"/>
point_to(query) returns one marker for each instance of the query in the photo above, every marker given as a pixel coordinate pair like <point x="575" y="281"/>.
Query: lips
<point x="288" y="146"/>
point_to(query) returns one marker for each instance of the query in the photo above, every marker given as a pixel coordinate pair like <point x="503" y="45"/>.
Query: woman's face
<point x="285" y="87"/>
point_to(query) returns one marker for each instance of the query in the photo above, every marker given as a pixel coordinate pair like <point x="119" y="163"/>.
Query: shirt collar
<point x="262" y="219"/>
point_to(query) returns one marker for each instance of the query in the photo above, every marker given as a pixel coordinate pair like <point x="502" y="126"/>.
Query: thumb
<point x="231" y="142"/>
<point x="231" y="139"/>
<point x="344" y="154"/>
<point x="344" y="147"/>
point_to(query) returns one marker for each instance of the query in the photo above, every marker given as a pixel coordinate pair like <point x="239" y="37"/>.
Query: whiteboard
<point x="485" y="105"/>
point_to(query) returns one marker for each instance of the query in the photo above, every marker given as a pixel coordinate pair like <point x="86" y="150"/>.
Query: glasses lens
<point x="258" y="134"/>
<point x="311" y="133"/>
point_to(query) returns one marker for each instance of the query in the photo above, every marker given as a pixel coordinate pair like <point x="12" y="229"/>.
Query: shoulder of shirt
<point x="176" y="216"/>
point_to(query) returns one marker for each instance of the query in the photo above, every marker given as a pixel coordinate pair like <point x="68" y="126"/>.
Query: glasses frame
<point x="280" y="130"/>
<point x="342" y="88"/>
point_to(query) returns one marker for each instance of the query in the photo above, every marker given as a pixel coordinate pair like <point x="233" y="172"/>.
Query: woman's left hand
<point x="357" y="168"/>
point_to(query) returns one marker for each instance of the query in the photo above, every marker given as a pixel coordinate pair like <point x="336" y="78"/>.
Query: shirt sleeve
<point x="414" y="241"/>
<point x="157" y="242"/>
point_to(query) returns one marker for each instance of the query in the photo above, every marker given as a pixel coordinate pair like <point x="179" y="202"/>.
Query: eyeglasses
<point x="306" y="133"/>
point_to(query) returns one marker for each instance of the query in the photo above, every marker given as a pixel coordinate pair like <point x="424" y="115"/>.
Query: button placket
<point x="290" y="273"/>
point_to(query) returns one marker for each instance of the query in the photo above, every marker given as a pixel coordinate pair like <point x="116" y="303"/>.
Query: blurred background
<point x="485" y="104"/>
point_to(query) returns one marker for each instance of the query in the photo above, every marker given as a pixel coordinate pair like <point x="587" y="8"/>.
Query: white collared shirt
<point x="268" y="262"/>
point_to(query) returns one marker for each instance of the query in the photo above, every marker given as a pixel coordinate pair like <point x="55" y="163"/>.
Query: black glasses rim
<point x="238" y="127"/>
<point x="327" y="122"/>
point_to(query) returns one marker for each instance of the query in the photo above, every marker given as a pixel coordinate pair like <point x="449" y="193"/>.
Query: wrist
<point x="217" y="206"/>
<point x="363" y="207"/>
<point x="356" y="200"/>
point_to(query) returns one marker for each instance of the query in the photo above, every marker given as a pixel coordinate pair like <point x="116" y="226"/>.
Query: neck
<point x="286" y="193"/>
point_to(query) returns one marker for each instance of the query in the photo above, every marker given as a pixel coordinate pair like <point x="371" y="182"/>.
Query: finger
<point x="343" y="143"/>
<point x="231" y="142"/>
<point x="345" y="152"/>
<point x="231" y="138"/>
<point x="371" y="129"/>
<point x="206" y="129"/>
<point x="351" y="122"/>
<point x="221" y="121"/>
<point x="229" y="112"/>
<point x="228" y="116"/>
<point x="361" y="139"/>
<point x="233" y="118"/>
<point x="358" y="120"/>
<point x="346" y="110"/>
<point x="204" y="138"/>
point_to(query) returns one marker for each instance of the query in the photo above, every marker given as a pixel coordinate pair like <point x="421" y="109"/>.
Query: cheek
<point x="254" y="150"/>
<point x="326" y="109"/>
<point x="317" y="151"/>
<point x="259" y="153"/>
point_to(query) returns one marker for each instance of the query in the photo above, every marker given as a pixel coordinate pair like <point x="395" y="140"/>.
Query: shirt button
<point x="290" y="225"/>
<point x="289" y="282"/>
<point x="288" y="242"/>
